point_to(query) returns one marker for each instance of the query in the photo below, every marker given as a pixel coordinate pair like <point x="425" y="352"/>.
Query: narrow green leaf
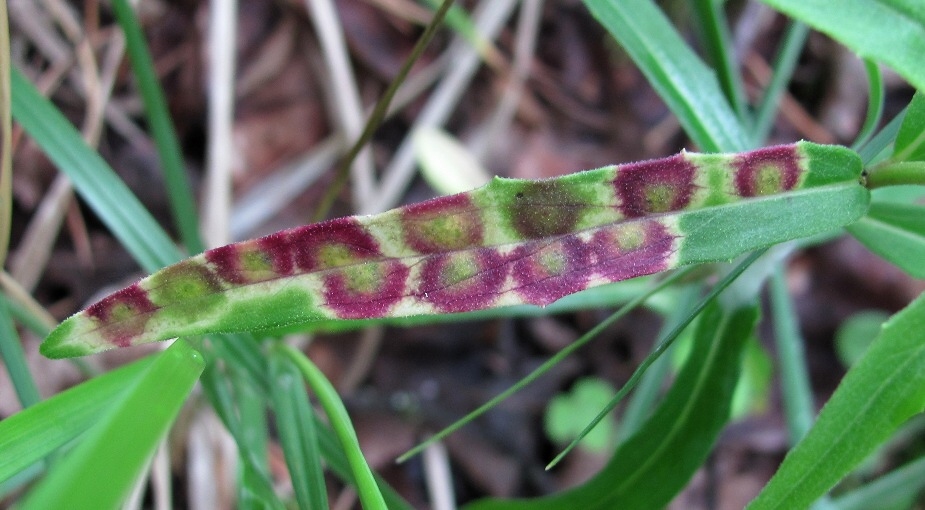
<point x="883" y="390"/>
<point x="101" y="470"/>
<point x="687" y="86"/>
<point x="179" y="191"/>
<point x="896" y="232"/>
<point x="910" y="141"/>
<point x="296" y="426"/>
<point x="366" y="485"/>
<point x="509" y="242"/>
<point x="654" y="464"/>
<point x="889" y="31"/>
<point x="856" y="333"/>
<point x="93" y="179"/>
<point x="30" y="435"/>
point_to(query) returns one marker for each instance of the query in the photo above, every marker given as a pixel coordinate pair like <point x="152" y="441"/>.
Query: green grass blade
<point x="295" y="424"/>
<point x="896" y="232"/>
<point x="165" y="138"/>
<point x="883" y="390"/>
<point x="366" y="485"/>
<point x="687" y="86"/>
<point x="796" y="392"/>
<point x="890" y="31"/>
<point x="337" y="462"/>
<point x="15" y="360"/>
<point x="30" y="435"/>
<point x="656" y="353"/>
<point x="93" y="179"/>
<point x="654" y="464"/>
<point x="101" y="470"/>
<point x="874" y="104"/>
<point x="640" y="406"/>
<point x="784" y="64"/>
<point x="255" y="489"/>
<point x="717" y="42"/>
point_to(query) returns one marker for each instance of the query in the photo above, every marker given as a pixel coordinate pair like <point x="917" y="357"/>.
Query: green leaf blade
<point x="100" y="471"/>
<point x="884" y="389"/>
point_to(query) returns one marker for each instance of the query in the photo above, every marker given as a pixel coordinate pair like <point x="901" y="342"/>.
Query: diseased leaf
<point x="896" y="232"/>
<point x="509" y="242"/>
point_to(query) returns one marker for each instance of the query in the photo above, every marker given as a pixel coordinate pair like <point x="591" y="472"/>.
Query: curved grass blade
<point x="890" y="31"/>
<point x="101" y="471"/>
<point x="366" y="485"/>
<point x="683" y="81"/>
<point x="883" y="390"/>
<point x="874" y="104"/>
<point x="509" y="242"/>
<point x="653" y="465"/>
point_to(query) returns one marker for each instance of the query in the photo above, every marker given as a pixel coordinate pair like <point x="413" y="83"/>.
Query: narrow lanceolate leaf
<point x="509" y="242"/>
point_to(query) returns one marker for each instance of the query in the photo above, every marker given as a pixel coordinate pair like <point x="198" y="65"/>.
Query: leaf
<point x="683" y="81"/>
<point x="896" y="232"/>
<point x="890" y="31"/>
<point x="101" y="470"/>
<point x="655" y="463"/>
<point x="910" y="141"/>
<point x="447" y="165"/>
<point x="883" y="390"/>
<point x="509" y="242"/>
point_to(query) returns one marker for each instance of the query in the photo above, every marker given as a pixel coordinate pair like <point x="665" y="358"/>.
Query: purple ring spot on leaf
<point x="767" y="171"/>
<point x="442" y="224"/>
<point x="546" y="271"/>
<point x="121" y="316"/>
<point x="462" y="281"/>
<point x="656" y="186"/>
<point x="364" y="290"/>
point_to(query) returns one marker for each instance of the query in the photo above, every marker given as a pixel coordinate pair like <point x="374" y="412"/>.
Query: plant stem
<point x="896" y="174"/>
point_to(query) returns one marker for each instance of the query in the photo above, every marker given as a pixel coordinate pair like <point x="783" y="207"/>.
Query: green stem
<point x="896" y="174"/>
